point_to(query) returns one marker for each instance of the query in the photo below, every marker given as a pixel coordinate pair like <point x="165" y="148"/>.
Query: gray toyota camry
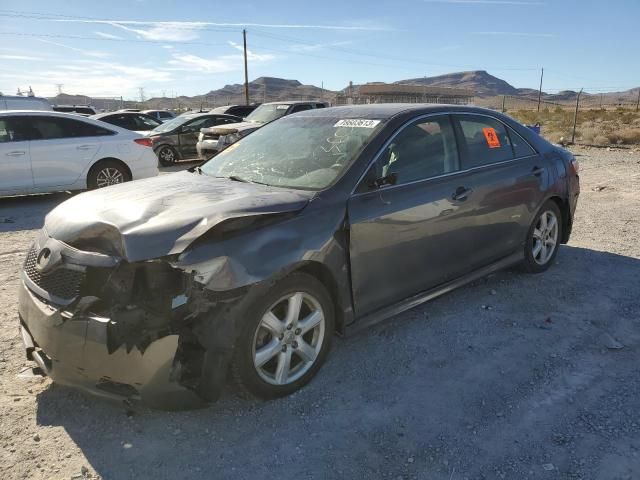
<point x="319" y="223"/>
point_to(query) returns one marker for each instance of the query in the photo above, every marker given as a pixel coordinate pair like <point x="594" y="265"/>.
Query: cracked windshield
<point x="298" y="152"/>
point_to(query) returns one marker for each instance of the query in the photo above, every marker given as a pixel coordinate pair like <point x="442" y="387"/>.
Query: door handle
<point x="461" y="193"/>
<point x="16" y="153"/>
<point x="84" y="147"/>
<point x="537" y="171"/>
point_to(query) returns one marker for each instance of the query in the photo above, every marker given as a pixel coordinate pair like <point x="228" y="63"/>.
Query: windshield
<point x="267" y="113"/>
<point x="171" y="124"/>
<point x="297" y="152"/>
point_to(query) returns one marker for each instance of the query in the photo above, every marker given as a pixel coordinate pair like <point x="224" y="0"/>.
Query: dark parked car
<point x="318" y="222"/>
<point x="237" y="110"/>
<point x="176" y="139"/>
<point x="135" y="121"/>
<point x="160" y="115"/>
<point x="84" y="110"/>
<point x="212" y="140"/>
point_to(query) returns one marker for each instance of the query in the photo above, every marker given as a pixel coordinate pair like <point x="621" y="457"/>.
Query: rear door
<point x="410" y="235"/>
<point x="15" y="159"/>
<point x="62" y="148"/>
<point x="509" y="180"/>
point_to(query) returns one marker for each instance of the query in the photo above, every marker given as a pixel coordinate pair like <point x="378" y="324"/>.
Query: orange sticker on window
<point x="492" y="137"/>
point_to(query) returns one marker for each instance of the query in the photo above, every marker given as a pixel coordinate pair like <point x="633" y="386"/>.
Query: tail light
<point x="575" y="165"/>
<point x="145" y="142"/>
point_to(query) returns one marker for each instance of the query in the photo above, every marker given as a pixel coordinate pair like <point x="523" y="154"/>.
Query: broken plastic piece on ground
<point x="610" y="342"/>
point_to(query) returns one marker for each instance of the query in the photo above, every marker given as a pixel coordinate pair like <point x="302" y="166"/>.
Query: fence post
<point x="575" y="117"/>
<point x="504" y="97"/>
<point x="638" y="102"/>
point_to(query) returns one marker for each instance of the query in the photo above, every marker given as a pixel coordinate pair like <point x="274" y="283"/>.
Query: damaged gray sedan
<point x="319" y="223"/>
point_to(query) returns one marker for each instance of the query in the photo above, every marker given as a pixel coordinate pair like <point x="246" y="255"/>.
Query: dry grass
<point x="595" y="126"/>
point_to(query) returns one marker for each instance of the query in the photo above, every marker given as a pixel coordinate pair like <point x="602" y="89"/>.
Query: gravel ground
<point x="516" y="376"/>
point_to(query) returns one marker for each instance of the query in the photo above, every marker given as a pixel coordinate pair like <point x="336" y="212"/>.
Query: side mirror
<point x="390" y="179"/>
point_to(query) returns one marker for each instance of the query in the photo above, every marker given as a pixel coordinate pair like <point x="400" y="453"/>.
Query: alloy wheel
<point x="109" y="176"/>
<point x="167" y="155"/>
<point x="289" y="338"/>
<point x="545" y="237"/>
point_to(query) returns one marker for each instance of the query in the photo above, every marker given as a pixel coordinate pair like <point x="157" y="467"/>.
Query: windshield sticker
<point x="282" y="107"/>
<point x="357" y="123"/>
<point x="492" y="137"/>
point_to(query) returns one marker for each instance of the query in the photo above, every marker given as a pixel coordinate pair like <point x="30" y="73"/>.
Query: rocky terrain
<point x="513" y="377"/>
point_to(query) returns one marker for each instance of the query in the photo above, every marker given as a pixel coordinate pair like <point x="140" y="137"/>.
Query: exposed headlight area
<point x="82" y="320"/>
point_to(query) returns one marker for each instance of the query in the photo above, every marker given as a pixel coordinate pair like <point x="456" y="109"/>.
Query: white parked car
<point x="17" y="102"/>
<point x="50" y="151"/>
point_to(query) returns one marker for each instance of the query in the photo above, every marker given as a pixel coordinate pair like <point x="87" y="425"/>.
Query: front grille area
<point x="62" y="282"/>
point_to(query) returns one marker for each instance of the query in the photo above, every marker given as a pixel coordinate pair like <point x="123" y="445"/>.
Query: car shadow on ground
<point x="472" y="369"/>
<point x="28" y="211"/>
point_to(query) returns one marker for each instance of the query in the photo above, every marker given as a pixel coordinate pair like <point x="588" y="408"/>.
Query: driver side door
<point x="410" y="233"/>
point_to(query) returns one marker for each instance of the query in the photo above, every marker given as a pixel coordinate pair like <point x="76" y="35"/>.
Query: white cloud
<point x="108" y="36"/>
<point x="18" y="57"/>
<point x="92" y="78"/>
<point x="251" y="55"/>
<point x="317" y="46"/>
<point x="83" y="51"/>
<point x="221" y="64"/>
<point x="517" y="34"/>
<point x="195" y="63"/>
<point x="185" y="31"/>
<point x="162" y="31"/>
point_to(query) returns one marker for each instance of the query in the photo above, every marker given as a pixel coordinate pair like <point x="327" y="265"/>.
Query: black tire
<point x="167" y="155"/>
<point x="246" y="375"/>
<point x="103" y="170"/>
<point x="537" y="263"/>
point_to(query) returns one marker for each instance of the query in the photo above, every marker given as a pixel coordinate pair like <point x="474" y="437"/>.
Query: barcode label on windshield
<point x="357" y="123"/>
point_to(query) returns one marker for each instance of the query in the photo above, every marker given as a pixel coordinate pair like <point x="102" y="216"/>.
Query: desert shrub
<point x="629" y="136"/>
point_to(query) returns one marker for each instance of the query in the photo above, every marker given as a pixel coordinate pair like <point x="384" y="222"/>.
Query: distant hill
<point x="262" y="89"/>
<point x="480" y="81"/>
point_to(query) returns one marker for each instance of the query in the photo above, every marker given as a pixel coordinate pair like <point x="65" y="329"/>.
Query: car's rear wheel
<point x="543" y="238"/>
<point x="167" y="155"/>
<point x="285" y="338"/>
<point x="106" y="173"/>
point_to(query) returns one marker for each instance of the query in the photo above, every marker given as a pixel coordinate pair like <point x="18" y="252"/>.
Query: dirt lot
<point x="515" y="376"/>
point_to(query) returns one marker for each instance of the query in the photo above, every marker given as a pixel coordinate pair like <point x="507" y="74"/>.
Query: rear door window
<point x="484" y="141"/>
<point x="50" y="128"/>
<point x="520" y="147"/>
<point x="300" y="108"/>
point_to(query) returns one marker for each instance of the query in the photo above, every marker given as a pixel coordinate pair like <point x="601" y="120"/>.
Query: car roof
<point x="387" y="110"/>
<point x="50" y="113"/>
<point x="106" y="114"/>
<point x="293" y="102"/>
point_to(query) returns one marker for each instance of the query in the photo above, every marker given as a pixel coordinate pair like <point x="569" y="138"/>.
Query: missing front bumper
<point x="73" y="351"/>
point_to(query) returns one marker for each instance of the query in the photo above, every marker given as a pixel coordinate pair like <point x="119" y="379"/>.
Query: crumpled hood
<point x="160" y="216"/>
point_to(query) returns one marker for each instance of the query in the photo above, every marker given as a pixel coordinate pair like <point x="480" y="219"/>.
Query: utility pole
<point x="141" y="93"/>
<point x="575" y="117"/>
<point x="246" y="72"/>
<point x="540" y="91"/>
<point x="638" y="102"/>
<point x="59" y="87"/>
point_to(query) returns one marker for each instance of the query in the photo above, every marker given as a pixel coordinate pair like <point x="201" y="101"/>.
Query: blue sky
<point x="111" y="48"/>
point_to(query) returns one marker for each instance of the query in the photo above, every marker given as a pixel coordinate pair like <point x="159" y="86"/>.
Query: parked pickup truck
<point x="214" y="139"/>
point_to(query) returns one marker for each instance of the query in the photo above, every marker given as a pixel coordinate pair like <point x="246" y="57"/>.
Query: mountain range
<point x="270" y="89"/>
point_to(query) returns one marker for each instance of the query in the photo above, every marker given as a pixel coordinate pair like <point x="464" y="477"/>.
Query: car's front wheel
<point x="285" y="338"/>
<point x="543" y="238"/>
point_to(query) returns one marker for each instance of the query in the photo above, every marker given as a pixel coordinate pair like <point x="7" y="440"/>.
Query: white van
<point x="14" y="102"/>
